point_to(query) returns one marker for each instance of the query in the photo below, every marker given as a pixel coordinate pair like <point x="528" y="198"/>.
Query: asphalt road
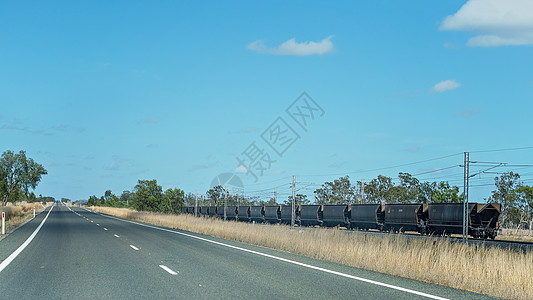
<point x="79" y="254"/>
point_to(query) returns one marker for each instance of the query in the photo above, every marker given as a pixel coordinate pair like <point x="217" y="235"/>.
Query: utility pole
<point x="293" y="200"/>
<point x="238" y="201"/>
<point x="465" y="200"/>
<point x="362" y="191"/>
<point x="225" y="202"/>
<point x="196" y="204"/>
<point x="276" y="195"/>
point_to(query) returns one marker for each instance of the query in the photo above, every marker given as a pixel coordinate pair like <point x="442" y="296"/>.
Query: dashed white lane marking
<point x="394" y="287"/>
<point x="97" y="224"/>
<point x="105" y="229"/>
<point x="117" y="236"/>
<point x="92" y="221"/>
<point x="134" y="248"/>
<point x="13" y="255"/>
<point x="168" y="270"/>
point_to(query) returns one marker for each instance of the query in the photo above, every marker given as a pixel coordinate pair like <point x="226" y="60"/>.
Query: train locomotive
<point x="434" y="218"/>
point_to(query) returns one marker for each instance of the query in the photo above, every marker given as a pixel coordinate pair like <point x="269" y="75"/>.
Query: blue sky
<point x="104" y="93"/>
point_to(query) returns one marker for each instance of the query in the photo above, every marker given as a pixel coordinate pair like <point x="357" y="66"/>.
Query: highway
<point x="79" y="254"/>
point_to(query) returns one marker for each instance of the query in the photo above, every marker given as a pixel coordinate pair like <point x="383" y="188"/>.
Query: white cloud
<point x="152" y="120"/>
<point x="338" y="165"/>
<point x="413" y="149"/>
<point x="118" y="163"/>
<point x="469" y="112"/>
<point x="449" y="45"/>
<point x="497" y="22"/>
<point x="205" y="165"/>
<point x="247" y="130"/>
<point x="241" y="169"/>
<point x="446" y="85"/>
<point x="291" y="47"/>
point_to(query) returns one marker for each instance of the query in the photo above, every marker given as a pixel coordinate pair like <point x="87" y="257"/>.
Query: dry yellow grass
<point x="515" y="235"/>
<point x="492" y="271"/>
<point x="18" y="214"/>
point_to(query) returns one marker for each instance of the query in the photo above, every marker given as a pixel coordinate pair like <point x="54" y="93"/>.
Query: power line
<point x="452" y="178"/>
<point x="498" y="150"/>
<point x="434" y="171"/>
<point x="266" y="182"/>
<point x="384" y="168"/>
<point x="443" y="176"/>
<point x="269" y="189"/>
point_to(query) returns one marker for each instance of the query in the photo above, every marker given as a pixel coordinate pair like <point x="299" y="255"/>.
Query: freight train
<point x="435" y="218"/>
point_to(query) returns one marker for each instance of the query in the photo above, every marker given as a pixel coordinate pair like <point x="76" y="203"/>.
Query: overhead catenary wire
<point x="500" y="150"/>
<point x="384" y="168"/>
<point x="452" y="178"/>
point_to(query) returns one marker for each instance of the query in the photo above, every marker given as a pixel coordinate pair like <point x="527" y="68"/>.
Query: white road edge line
<point x="134" y="248"/>
<point x="13" y="255"/>
<point x="285" y="260"/>
<point x="168" y="270"/>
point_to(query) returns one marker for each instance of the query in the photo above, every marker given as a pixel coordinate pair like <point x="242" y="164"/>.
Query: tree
<point x="397" y="194"/>
<point x="269" y="202"/>
<point x="427" y="191"/>
<point x="190" y="199"/>
<point x="93" y="200"/>
<point x="240" y="200"/>
<point x="505" y="194"/>
<point x="216" y="194"/>
<point x="411" y="188"/>
<point x="358" y="191"/>
<point x="172" y="201"/>
<point x="112" y="201"/>
<point x="525" y="203"/>
<point x="299" y="200"/>
<point x="126" y="197"/>
<point x="148" y="195"/>
<point x="378" y="190"/>
<point x="45" y="199"/>
<point x="18" y="174"/>
<point x="340" y="191"/>
<point x="253" y="200"/>
<point x="107" y="195"/>
<point x="32" y="197"/>
<point x="444" y="193"/>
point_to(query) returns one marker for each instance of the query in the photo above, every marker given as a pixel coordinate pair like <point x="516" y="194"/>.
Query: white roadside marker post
<point x="34" y="212"/>
<point x="3" y="223"/>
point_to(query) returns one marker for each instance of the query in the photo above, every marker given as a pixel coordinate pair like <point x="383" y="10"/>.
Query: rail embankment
<point x="488" y="270"/>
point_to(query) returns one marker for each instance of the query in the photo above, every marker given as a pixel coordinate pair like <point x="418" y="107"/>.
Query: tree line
<point x="20" y="175"/>
<point x="342" y="191"/>
<point x="383" y="190"/>
<point x="147" y="195"/>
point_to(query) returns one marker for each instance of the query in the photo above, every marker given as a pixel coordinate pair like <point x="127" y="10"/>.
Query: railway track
<point x="502" y="244"/>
